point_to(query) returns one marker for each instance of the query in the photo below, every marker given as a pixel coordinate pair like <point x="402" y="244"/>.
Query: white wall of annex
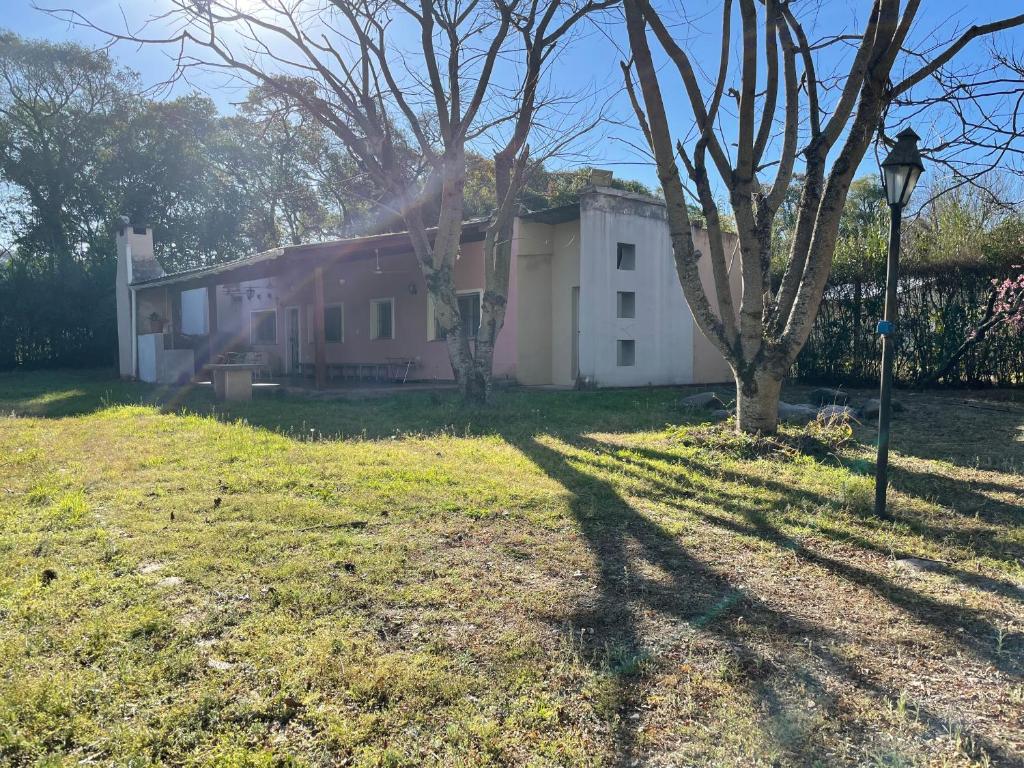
<point x="663" y="327"/>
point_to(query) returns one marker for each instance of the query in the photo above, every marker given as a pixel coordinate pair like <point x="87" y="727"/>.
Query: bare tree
<point x="804" y="112"/>
<point x="343" y="61"/>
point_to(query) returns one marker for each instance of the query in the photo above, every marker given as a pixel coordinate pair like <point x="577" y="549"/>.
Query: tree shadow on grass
<point x="967" y="498"/>
<point x="963" y="625"/>
<point x="979" y="540"/>
<point x="62" y="394"/>
<point x="515" y="413"/>
<point x="696" y="599"/>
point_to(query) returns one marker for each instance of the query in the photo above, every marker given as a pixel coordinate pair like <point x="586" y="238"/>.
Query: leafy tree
<point x="62" y="109"/>
<point x="165" y="173"/>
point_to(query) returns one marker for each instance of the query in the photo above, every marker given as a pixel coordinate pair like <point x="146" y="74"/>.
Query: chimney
<point x="135" y="261"/>
<point x="135" y="248"/>
<point x="600" y="177"/>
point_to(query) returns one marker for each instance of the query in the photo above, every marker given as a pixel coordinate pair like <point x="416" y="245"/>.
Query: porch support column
<point x="211" y="303"/>
<point x="319" y="342"/>
<point x="173" y="302"/>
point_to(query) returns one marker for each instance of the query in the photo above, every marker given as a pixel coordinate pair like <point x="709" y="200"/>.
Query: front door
<point x="293" y="340"/>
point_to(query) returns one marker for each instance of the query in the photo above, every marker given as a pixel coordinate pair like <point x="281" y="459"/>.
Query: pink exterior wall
<point x="353" y="283"/>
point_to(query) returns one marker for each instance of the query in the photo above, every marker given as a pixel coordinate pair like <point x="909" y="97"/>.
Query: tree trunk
<point x="482" y="372"/>
<point x="757" y="402"/>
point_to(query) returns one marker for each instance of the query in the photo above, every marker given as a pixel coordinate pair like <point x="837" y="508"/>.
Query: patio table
<point x="232" y="381"/>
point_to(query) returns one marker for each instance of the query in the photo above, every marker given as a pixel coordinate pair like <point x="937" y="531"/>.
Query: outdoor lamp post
<point x="900" y="172"/>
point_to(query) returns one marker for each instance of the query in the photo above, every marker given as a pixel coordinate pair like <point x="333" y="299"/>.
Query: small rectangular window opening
<point x="625" y="256"/>
<point x="263" y="327"/>
<point x="626" y="304"/>
<point x="626" y="352"/>
<point x="382" y="319"/>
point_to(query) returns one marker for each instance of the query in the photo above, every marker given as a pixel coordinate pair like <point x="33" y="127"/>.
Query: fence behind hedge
<point x="936" y="313"/>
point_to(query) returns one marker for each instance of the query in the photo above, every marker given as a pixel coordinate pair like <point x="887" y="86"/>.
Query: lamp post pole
<point x="887" y="329"/>
<point x="900" y="172"/>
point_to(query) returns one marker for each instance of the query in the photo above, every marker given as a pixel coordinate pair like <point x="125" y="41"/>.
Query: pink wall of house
<point x="353" y="283"/>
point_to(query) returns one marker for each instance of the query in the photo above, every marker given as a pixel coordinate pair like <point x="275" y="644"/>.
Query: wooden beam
<point x="174" y="313"/>
<point x="211" y="302"/>
<point x="319" y="340"/>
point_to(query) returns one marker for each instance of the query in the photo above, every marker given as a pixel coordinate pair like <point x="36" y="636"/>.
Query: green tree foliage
<point x="62" y="109"/>
<point x="80" y="146"/>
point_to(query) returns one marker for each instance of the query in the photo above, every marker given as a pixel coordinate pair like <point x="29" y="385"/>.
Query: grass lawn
<point x="567" y="579"/>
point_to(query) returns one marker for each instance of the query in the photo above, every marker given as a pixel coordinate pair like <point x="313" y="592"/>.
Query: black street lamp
<point x="900" y="172"/>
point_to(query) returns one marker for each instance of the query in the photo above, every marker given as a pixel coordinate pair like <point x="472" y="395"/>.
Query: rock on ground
<point x="871" y="408"/>
<point x="920" y="564"/>
<point x="826" y="396"/>
<point x="797" y="414"/>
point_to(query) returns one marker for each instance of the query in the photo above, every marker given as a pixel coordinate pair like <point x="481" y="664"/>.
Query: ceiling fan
<point x="377" y="268"/>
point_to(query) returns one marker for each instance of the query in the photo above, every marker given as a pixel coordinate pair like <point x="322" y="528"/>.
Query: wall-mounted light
<point x="413" y="290"/>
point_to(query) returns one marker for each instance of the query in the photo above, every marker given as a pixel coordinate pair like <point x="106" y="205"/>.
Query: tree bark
<point x="757" y="402"/>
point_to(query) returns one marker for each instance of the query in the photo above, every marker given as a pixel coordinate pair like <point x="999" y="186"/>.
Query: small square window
<point x="626" y="352"/>
<point x="625" y="257"/>
<point x="469" y="311"/>
<point x="626" y="304"/>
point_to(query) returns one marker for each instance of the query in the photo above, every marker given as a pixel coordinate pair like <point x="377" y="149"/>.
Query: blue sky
<point x="591" y="65"/>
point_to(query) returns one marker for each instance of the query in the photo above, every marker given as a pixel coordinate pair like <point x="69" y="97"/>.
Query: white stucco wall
<point x="663" y="326"/>
<point x="135" y="261"/>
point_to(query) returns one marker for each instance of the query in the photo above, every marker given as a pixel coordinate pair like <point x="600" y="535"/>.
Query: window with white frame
<point x="382" y="318"/>
<point x="263" y="327"/>
<point x="469" y="311"/>
<point x="334" y="323"/>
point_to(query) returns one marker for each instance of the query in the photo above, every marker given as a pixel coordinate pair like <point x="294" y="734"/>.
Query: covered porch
<point x="344" y="314"/>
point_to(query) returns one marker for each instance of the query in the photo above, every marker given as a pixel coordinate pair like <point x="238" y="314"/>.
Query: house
<point x="593" y="298"/>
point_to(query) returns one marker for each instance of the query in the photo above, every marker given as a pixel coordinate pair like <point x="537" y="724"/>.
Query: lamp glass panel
<point x="895" y="179"/>
<point x="913" y="175"/>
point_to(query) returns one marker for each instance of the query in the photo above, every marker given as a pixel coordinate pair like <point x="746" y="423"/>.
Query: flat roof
<point x="559" y="214"/>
